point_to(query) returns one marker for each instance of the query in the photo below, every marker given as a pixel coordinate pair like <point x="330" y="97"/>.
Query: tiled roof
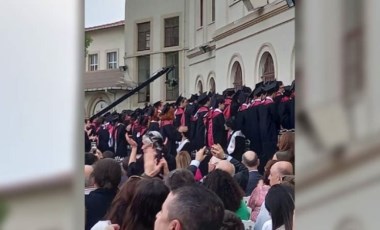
<point x="103" y="79"/>
<point x="105" y="26"/>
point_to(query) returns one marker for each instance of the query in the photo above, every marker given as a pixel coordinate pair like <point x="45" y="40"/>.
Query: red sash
<point x="210" y="137"/>
<point x="166" y="122"/>
<point x="227" y="109"/>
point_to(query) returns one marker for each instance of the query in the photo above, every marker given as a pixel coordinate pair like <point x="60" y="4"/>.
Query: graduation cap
<point x="247" y="90"/>
<point x="258" y="90"/>
<point x="293" y="86"/>
<point x="288" y="90"/>
<point x="228" y="92"/>
<point x="179" y="100"/>
<point x="203" y="98"/>
<point x="210" y="94"/>
<point x="193" y="98"/>
<point x="115" y="117"/>
<point x="271" y="87"/>
<point x="157" y="104"/>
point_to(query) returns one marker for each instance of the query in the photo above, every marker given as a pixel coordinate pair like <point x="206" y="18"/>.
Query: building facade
<point x="338" y="79"/>
<point x="214" y="44"/>
<point x="104" y="73"/>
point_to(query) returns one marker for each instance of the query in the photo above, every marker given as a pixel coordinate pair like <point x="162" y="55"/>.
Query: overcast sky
<point x="98" y="12"/>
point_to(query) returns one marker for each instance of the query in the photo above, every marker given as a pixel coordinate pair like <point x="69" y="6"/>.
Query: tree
<point x="87" y="42"/>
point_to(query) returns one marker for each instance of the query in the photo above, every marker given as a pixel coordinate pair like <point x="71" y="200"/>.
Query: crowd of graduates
<point x="192" y="134"/>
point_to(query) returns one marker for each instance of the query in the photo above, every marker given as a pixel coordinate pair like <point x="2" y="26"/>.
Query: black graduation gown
<point x="87" y="142"/>
<point x="190" y="111"/>
<point x="250" y="127"/>
<point x="218" y="130"/>
<point x="269" y="129"/>
<point x="103" y="138"/>
<point x="121" y="143"/>
<point x="170" y="132"/>
<point x="154" y="126"/>
<point x="199" y="138"/>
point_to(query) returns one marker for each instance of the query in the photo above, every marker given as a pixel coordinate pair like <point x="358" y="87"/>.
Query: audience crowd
<point x="208" y="162"/>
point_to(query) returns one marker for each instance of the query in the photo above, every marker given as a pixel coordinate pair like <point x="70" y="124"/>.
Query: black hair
<point x="107" y="173"/>
<point x="225" y="186"/>
<point x="89" y="158"/>
<point x="147" y="201"/>
<point x="196" y="207"/>
<point x="279" y="202"/>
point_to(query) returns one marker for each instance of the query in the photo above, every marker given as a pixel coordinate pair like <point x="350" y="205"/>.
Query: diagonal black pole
<point x="156" y="75"/>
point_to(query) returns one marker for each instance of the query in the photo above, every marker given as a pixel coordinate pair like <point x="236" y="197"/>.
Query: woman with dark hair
<point x="229" y="191"/>
<point x="280" y="204"/>
<point x="121" y="201"/>
<point x="231" y="221"/>
<point x="141" y="213"/>
<point x="106" y="177"/>
<point x="169" y="133"/>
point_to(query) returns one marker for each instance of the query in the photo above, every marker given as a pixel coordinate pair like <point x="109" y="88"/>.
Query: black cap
<point x="247" y="90"/>
<point x="288" y="90"/>
<point x="271" y="87"/>
<point x="156" y="104"/>
<point x="293" y="86"/>
<point x="193" y="98"/>
<point x="228" y="92"/>
<point x="258" y="90"/>
<point x="179" y="100"/>
<point x="203" y="98"/>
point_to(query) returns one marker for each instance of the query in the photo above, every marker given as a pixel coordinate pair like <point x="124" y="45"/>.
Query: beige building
<point x="104" y="76"/>
<point x="214" y="44"/>
<point x="338" y="166"/>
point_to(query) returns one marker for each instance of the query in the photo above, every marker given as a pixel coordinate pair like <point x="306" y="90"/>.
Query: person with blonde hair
<point x="183" y="161"/>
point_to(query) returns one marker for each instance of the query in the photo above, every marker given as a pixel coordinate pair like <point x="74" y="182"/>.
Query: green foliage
<point x="87" y="42"/>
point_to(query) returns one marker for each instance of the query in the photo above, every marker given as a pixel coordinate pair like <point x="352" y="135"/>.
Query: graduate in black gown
<point x="200" y="119"/>
<point x="216" y="133"/>
<point x="190" y="111"/>
<point x="154" y="116"/>
<point x="179" y="113"/>
<point x="168" y="131"/>
<point x="269" y="124"/>
<point x="120" y="144"/>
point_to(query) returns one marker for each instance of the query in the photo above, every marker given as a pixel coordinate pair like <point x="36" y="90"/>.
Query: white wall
<point x="106" y="40"/>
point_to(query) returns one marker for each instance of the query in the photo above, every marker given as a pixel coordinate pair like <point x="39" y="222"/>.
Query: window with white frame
<point x="171" y="31"/>
<point x="143" y="63"/>
<point x="143" y="37"/>
<point x="93" y="62"/>
<point x="172" y="91"/>
<point x="112" y="60"/>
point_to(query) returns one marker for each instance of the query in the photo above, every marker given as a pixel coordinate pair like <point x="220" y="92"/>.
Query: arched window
<point x="200" y="87"/>
<point x="99" y="106"/>
<point x="267" y="68"/>
<point x="212" y="85"/>
<point x="237" y="76"/>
